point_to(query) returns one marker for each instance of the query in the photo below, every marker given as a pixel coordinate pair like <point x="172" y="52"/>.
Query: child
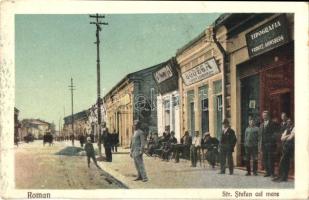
<point x="90" y="152"/>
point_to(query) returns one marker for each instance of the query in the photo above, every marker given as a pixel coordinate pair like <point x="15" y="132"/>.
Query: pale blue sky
<point x="50" y="49"/>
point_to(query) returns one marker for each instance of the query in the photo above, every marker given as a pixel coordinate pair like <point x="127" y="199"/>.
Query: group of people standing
<point x="264" y="139"/>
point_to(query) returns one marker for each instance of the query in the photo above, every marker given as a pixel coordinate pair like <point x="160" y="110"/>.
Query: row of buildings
<point x="239" y="66"/>
<point x="35" y="127"/>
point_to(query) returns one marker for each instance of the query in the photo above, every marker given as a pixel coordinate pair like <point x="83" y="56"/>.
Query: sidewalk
<point x="164" y="174"/>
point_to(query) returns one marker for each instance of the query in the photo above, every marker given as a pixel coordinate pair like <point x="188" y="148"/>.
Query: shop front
<point x="263" y="68"/>
<point x="168" y="111"/>
<point x="201" y="86"/>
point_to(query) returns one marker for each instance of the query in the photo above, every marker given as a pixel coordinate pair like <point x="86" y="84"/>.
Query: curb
<point x="116" y="175"/>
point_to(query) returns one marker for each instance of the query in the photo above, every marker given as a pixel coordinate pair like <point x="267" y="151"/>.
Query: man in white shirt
<point x="196" y="143"/>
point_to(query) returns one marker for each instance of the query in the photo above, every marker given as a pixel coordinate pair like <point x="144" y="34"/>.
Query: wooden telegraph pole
<point x="72" y="87"/>
<point x="98" y="26"/>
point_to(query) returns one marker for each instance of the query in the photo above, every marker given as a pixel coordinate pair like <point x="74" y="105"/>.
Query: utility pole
<point x="71" y="87"/>
<point x="98" y="24"/>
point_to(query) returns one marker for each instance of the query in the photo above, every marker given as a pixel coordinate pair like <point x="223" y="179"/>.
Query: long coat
<point x="137" y="143"/>
<point x="268" y="135"/>
<point x="228" y="140"/>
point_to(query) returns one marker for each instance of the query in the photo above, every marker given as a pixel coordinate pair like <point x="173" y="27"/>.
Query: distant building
<point x="132" y="98"/>
<point x="81" y="124"/>
<point x="17" y="125"/>
<point x="36" y="127"/>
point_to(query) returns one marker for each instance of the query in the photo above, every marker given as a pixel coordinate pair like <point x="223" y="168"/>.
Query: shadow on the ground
<point x="70" y="151"/>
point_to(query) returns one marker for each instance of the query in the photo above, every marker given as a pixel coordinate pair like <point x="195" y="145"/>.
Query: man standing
<point x="107" y="143"/>
<point x="137" y="150"/>
<point x="268" y="143"/>
<point x="287" y="152"/>
<point x="227" y="145"/>
<point x="196" y="143"/>
<point x="251" y="146"/>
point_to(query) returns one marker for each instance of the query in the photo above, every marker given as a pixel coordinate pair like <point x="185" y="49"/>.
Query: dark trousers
<point x="193" y="155"/>
<point x="284" y="165"/>
<point x="114" y="148"/>
<point x="211" y="156"/>
<point x="251" y="153"/>
<point x="268" y="159"/>
<point x="108" y="153"/>
<point x="226" y="155"/>
<point x="93" y="159"/>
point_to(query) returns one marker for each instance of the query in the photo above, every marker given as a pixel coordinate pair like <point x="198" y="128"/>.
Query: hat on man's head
<point x="226" y="121"/>
<point x="207" y="134"/>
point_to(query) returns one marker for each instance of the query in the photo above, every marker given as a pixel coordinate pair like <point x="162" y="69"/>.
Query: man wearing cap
<point x="268" y="143"/>
<point x="227" y="144"/>
<point x="137" y="150"/>
<point x="90" y="152"/>
<point x="251" y="146"/>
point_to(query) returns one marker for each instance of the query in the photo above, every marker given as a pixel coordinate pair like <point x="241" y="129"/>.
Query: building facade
<point x="260" y="62"/>
<point x="134" y="97"/>
<point x="168" y="108"/>
<point x="200" y="85"/>
<point x="81" y="124"/>
<point x="36" y="127"/>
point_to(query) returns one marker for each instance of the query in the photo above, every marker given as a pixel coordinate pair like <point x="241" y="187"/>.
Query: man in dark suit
<point x="107" y="143"/>
<point x="268" y="143"/>
<point x="227" y="145"/>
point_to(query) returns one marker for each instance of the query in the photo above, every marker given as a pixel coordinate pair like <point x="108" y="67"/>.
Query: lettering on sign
<point x="163" y="74"/>
<point x="267" y="36"/>
<point x="200" y="72"/>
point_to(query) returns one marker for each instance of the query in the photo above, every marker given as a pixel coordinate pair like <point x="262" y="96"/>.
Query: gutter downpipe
<point x="225" y="65"/>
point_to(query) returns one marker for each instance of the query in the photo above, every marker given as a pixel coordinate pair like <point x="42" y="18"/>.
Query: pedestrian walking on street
<point x="227" y="145"/>
<point x="287" y="152"/>
<point x="268" y="143"/>
<point x="107" y="143"/>
<point x="196" y="144"/>
<point x="251" y="147"/>
<point x="90" y="152"/>
<point x="137" y="149"/>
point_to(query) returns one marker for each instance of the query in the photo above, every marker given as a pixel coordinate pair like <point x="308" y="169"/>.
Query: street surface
<point x="37" y="167"/>
<point x="164" y="174"/>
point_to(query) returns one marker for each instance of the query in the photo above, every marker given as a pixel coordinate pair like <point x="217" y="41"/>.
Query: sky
<point x="50" y="49"/>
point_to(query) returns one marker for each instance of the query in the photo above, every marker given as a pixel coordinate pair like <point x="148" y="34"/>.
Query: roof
<point x="35" y="122"/>
<point x="132" y="76"/>
<point x="77" y="116"/>
<point x="190" y="43"/>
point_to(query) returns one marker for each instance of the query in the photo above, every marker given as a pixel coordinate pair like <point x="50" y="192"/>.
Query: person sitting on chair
<point x="167" y="148"/>
<point x="211" y="145"/>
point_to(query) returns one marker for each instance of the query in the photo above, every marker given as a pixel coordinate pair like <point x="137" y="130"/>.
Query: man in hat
<point x="268" y="143"/>
<point x="137" y="150"/>
<point x="227" y="145"/>
<point x="107" y="142"/>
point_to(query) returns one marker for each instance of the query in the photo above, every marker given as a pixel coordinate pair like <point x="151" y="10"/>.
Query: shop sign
<point x="267" y="36"/>
<point x="200" y="72"/>
<point x="163" y="74"/>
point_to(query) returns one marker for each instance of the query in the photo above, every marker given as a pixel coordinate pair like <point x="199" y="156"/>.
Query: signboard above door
<point x="268" y="36"/>
<point x="201" y="71"/>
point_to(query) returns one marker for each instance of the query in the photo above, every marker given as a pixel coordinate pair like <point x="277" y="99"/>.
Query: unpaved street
<point x="38" y="167"/>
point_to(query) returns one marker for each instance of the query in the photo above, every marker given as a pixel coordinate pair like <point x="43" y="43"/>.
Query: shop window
<point x="203" y="95"/>
<point x="175" y="100"/>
